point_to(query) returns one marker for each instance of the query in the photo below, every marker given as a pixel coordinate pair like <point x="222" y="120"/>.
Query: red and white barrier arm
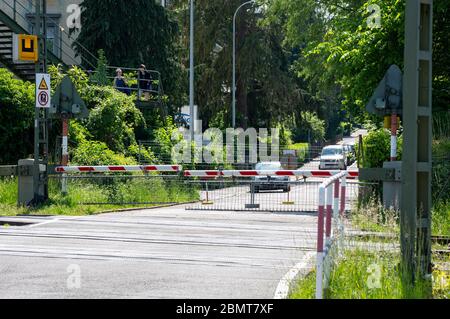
<point x="119" y="168"/>
<point x="251" y="173"/>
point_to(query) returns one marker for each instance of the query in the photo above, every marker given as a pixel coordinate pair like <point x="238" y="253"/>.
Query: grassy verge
<point x="355" y="277"/>
<point x="375" y="218"/>
<point x="87" y="197"/>
<point x="352" y="275"/>
<point x="441" y="219"/>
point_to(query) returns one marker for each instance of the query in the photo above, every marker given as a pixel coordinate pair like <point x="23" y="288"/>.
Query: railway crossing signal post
<point x="66" y="104"/>
<point x="412" y="176"/>
<point x="415" y="218"/>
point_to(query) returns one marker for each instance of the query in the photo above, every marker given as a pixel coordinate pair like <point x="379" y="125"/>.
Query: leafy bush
<point x="16" y="118"/>
<point x="78" y="133"/>
<point x="163" y="138"/>
<point x="113" y="118"/>
<point x="97" y="153"/>
<point x="302" y="150"/>
<point x="145" y="154"/>
<point x="377" y="148"/>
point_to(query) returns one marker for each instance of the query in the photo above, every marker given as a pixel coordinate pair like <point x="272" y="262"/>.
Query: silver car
<point x="333" y="157"/>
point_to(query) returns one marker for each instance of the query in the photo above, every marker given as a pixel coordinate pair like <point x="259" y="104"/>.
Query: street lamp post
<point x="191" y="72"/>
<point x="233" y="88"/>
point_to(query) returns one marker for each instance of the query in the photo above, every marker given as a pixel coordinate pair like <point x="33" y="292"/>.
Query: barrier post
<point x="319" y="257"/>
<point x="343" y="195"/>
<point x="336" y="199"/>
<point x="207" y="202"/>
<point x="329" y="209"/>
<point x="252" y="204"/>
<point x="64" y="153"/>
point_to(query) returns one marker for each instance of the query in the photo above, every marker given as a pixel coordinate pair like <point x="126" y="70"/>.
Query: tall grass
<point x="441" y="219"/>
<point x="355" y="277"/>
<point x="90" y="196"/>
<point x="441" y="125"/>
<point x="372" y="216"/>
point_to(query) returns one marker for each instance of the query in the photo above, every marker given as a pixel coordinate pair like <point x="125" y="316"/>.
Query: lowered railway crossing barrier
<point x="224" y="190"/>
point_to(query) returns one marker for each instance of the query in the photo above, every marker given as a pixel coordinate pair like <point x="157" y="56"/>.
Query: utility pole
<point x="415" y="218"/>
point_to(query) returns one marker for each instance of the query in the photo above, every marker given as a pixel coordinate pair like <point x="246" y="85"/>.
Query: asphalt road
<point x="163" y="253"/>
<point x="303" y="197"/>
<point x="159" y="253"/>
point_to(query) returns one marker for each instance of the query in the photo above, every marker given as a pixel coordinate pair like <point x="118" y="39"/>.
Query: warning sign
<point x="43" y="90"/>
<point x="43" y="85"/>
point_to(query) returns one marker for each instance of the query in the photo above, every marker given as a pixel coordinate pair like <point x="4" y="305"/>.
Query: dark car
<point x="262" y="182"/>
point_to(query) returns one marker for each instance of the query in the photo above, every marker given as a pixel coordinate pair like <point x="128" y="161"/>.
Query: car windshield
<point x="268" y="166"/>
<point x="331" y="151"/>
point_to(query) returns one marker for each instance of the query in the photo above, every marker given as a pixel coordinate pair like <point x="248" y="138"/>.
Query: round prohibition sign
<point x="43" y="98"/>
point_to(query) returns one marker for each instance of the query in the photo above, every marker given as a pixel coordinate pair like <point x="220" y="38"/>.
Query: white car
<point x="270" y="182"/>
<point x="333" y="157"/>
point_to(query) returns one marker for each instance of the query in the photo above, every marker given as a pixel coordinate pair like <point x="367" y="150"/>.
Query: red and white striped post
<point x="329" y="207"/>
<point x="64" y="152"/>
<point x="336" y="206"/>
<point x="394" y="127"/>
<point x="320" y="254"/>
<point x="343" y="194"/>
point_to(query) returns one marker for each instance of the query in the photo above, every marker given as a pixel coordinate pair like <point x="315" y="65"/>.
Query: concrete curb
<point x="300" y="269"/>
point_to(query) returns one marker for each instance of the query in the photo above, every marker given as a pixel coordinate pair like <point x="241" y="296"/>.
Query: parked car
<point x="270" y="182"/>
<point x="333" y="157"/>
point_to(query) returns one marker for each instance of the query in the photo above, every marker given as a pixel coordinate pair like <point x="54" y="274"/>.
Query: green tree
<point x="312" y="128"/>
<point x="266" y="90"/>
<point x="341" y="52"/>
<point x="100" y="76"/>
<point x="133" y="32"/>
<point x="16" y="118"/>
<point x="441" y="56"/>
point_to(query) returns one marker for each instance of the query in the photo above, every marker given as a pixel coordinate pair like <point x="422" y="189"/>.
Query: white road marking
<point x="283" y="286"/>
<point x="44" y="223"/>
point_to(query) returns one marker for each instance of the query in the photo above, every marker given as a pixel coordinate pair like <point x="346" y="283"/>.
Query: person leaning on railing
<point x="120" y="83"/>
<point x="144" y="82"/>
